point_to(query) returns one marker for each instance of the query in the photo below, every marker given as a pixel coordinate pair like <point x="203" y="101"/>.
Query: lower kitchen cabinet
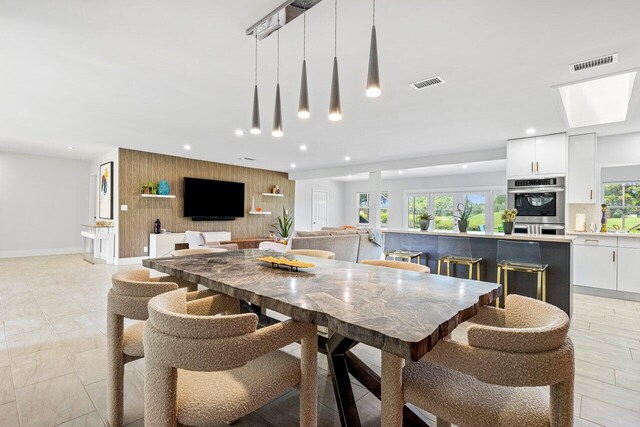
<point x="595" y="266"/>
<point x="628" y="269"/>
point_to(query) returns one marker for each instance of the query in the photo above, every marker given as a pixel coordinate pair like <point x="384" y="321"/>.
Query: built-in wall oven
<point x="540" y="203"/>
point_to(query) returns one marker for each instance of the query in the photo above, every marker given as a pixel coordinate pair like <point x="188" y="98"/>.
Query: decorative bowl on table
<point x="291" y="264"/>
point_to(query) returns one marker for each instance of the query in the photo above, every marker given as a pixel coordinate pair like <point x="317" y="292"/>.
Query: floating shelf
<point x="273" y="195"/>
<point x="159" y="196"/>
<point x="259" y="213"/>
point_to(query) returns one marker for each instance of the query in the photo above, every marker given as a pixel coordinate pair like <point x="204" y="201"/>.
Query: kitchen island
<point x="556" y="251"/>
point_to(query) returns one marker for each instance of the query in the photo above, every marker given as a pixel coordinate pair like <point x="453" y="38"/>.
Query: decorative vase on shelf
<point x="163" y="188"/>
<point x="603" y="220"/>
<point x="253" y="204"/>
<point x="156" y="227"/>
<point x="508" y="227"/>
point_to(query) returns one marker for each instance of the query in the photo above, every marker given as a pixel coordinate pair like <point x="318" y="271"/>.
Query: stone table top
<point x="402" y="312"/>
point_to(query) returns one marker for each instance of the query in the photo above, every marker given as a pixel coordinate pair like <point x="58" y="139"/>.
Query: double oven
<point x="540" y="204"/>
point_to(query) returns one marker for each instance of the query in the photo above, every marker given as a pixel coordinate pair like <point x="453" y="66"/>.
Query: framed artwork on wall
<point x="105" y="192"/>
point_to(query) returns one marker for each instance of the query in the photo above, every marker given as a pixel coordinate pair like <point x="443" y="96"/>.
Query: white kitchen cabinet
<point x="582" y="169"/>
<point x="520" y="157"/>
<point x="628" y="262"/>
<point x="595" y="266"/>
<point x="537" y="157"/>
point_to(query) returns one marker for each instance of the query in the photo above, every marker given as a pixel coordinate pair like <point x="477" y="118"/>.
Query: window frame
<point x="368" y="208"/>
<point x="624" y="206"/>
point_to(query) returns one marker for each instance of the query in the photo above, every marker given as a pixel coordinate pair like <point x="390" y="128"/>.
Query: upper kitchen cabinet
<point x="582" y="169"/>
<point x="537" y="157"/>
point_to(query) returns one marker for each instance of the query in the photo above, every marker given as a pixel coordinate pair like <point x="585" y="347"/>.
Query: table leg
<point x="337" y="347"/>
<point x="392" y="400"/>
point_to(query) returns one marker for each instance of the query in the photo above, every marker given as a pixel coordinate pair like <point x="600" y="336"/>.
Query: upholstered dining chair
<point x="203" y="368"/>
<point x="196" y="251"/>
<point x="315" y="253"/>
<point x="402" y="265"/>
<point x="128" y="298"/>
<point x="496" y="379"/>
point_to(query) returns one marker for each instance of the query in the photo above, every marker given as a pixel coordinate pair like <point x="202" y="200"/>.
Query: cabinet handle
<point x="590" y="194"/>
<point x="537" y="169"/>
<point x="531" y="166"/>
<point x="614" y="256"/>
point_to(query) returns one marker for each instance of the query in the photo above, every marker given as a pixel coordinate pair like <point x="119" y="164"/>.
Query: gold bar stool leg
<point x="478" y="271"/>
<point x="539" y="293"/>
<point x="506" y="286"/>
<point x="498" y="281"/>
<point x="439" y="265"/>
<point x="449" y="268"/>
<point x="544" y="286"/>
<point x="470" y="271"/>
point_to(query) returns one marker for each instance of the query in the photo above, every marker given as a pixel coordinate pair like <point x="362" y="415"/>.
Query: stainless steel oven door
<point x="537" y="205"/>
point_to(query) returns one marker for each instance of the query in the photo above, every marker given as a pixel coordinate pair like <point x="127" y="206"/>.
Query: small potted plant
<point x="145" y="189"/>
<point x="283" y="225"/>
<point x="425" y="219"/>
<point x="463" y="215"/>
<point x="508" y="217"/>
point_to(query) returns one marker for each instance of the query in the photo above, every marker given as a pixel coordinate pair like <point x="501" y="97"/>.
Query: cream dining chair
<point x="128" y="298"/>
<point x="401" y="265"/>
<point x="497" y="378"/>
<point x="314" y="253"/>
<point x="205" y="368"/>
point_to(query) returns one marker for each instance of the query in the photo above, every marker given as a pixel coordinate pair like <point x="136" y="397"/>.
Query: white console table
<point x="99" y="244"/>
<point x="161" y="245"/>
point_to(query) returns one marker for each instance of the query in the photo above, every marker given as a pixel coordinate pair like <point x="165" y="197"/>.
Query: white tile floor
<point x="52" y="355"/>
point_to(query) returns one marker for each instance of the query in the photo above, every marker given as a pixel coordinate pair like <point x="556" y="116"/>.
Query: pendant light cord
<point x="278" y="66"/>
<point x="255" y="76"/>
<point x="304" y="32"/>
<point x="335" y="28"/>
<point x="374" y="12"/>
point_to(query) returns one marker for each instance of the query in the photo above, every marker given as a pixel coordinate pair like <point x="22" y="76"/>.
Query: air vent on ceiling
<point x="431" y="81"/>
<point x="595" y="62"/>
<point x="248" y="159"/>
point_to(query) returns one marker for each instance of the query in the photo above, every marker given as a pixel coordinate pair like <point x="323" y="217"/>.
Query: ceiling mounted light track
<point x="255" y="116"/>
<point x="303" y="103"/>
<point x="373" y="77"/>
<point x="279" y="17"/>
<point x="277" y="114"/>
<point x="335" y="111"/>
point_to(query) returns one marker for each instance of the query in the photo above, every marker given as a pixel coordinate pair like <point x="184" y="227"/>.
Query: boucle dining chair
<point x="203" y="368"/>
<point x="196" y="251"/>
<point x="401" y="265"/>
<point x="315" y="253"/>
<point x="128" y="298"/>
<point x="496" y="379"/>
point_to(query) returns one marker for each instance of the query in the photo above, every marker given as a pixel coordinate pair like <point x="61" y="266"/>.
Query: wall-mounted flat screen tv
<point x="209" y="200"/>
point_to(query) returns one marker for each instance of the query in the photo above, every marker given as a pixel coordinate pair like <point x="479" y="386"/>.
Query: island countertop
<point x="487" y="235"/>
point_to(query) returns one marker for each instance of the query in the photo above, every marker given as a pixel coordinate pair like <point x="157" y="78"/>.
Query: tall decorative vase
<point x="253" y="204"/>
<point x="164" y="188"/>
<point x="603" y="220"/>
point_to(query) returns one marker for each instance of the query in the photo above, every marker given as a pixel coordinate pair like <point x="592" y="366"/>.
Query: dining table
<point x="403" y="313"/>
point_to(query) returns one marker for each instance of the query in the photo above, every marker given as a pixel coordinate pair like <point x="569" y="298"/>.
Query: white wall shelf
<point x="159" y="196"/>
<point x="272" y="195"/>
<point x="259" y="213"/>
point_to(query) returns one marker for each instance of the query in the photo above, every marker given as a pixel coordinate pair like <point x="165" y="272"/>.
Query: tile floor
<point x="52" y="355"/>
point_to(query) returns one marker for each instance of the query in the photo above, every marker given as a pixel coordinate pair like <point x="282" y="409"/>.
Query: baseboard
<point x="40" y="252"/>
<point x="606" y="293"/>
<point x="130" y="261"/>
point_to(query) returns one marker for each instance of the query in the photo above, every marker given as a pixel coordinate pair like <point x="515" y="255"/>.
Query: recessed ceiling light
<point x="598" y="101"/>
<point x="347" y="158"/>
<point x="349" y="176"/>
<point x="303" y="148"/>
<point x="530" y="131"/>
<point x="400" y="172"/>
<point x="70" y="147"/>
<point x="187" y="147"/>
<point x="464" y="166"/>
<point x="293" y="165"/>
<point x="239" y="132"/>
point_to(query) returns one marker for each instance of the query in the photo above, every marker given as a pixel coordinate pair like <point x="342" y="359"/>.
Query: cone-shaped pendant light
<point x="255" y="117"/>
<point x="373" y="77"/>
<point x="335" y="112"/>
<point x="303" y="103"/>
<point x="277" y="114"/>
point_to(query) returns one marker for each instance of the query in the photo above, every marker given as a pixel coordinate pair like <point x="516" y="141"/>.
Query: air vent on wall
<point x="431" y="81"/>
<point x="595" y="62"/>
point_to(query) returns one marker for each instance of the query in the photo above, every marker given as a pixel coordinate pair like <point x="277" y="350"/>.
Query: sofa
<point x="348" y="245"/>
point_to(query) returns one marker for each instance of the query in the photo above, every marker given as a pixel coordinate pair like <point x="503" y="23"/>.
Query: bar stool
<point x="457" y="251"/>
<point x="523" y="257"/>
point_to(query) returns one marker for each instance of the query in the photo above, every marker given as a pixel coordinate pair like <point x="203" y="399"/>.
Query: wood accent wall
<point x="137" y="167"/>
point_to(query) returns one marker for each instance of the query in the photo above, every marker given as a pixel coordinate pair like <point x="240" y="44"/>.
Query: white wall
<point x="304" y="196"/>
<point x="397" y="187"/>
<point x="619" y="150"/>
<point x="43" y="201"/>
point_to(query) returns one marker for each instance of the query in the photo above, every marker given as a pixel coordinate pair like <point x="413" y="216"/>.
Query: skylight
<point x="599" y="101"/>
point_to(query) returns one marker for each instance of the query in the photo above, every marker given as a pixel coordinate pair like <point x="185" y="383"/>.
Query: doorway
<point x="319" y="210"/>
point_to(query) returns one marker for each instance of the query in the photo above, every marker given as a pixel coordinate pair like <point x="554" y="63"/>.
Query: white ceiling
<point x="157" y="74"/>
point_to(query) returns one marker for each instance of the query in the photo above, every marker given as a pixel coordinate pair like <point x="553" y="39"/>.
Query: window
<point x="443" y="211"/>
<point x="623" y="204"/>
<point x="418" y="205"/>
<point x="499" y="206"/>
<point x="477" y="221"/>
<point x="363" y="208"/>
